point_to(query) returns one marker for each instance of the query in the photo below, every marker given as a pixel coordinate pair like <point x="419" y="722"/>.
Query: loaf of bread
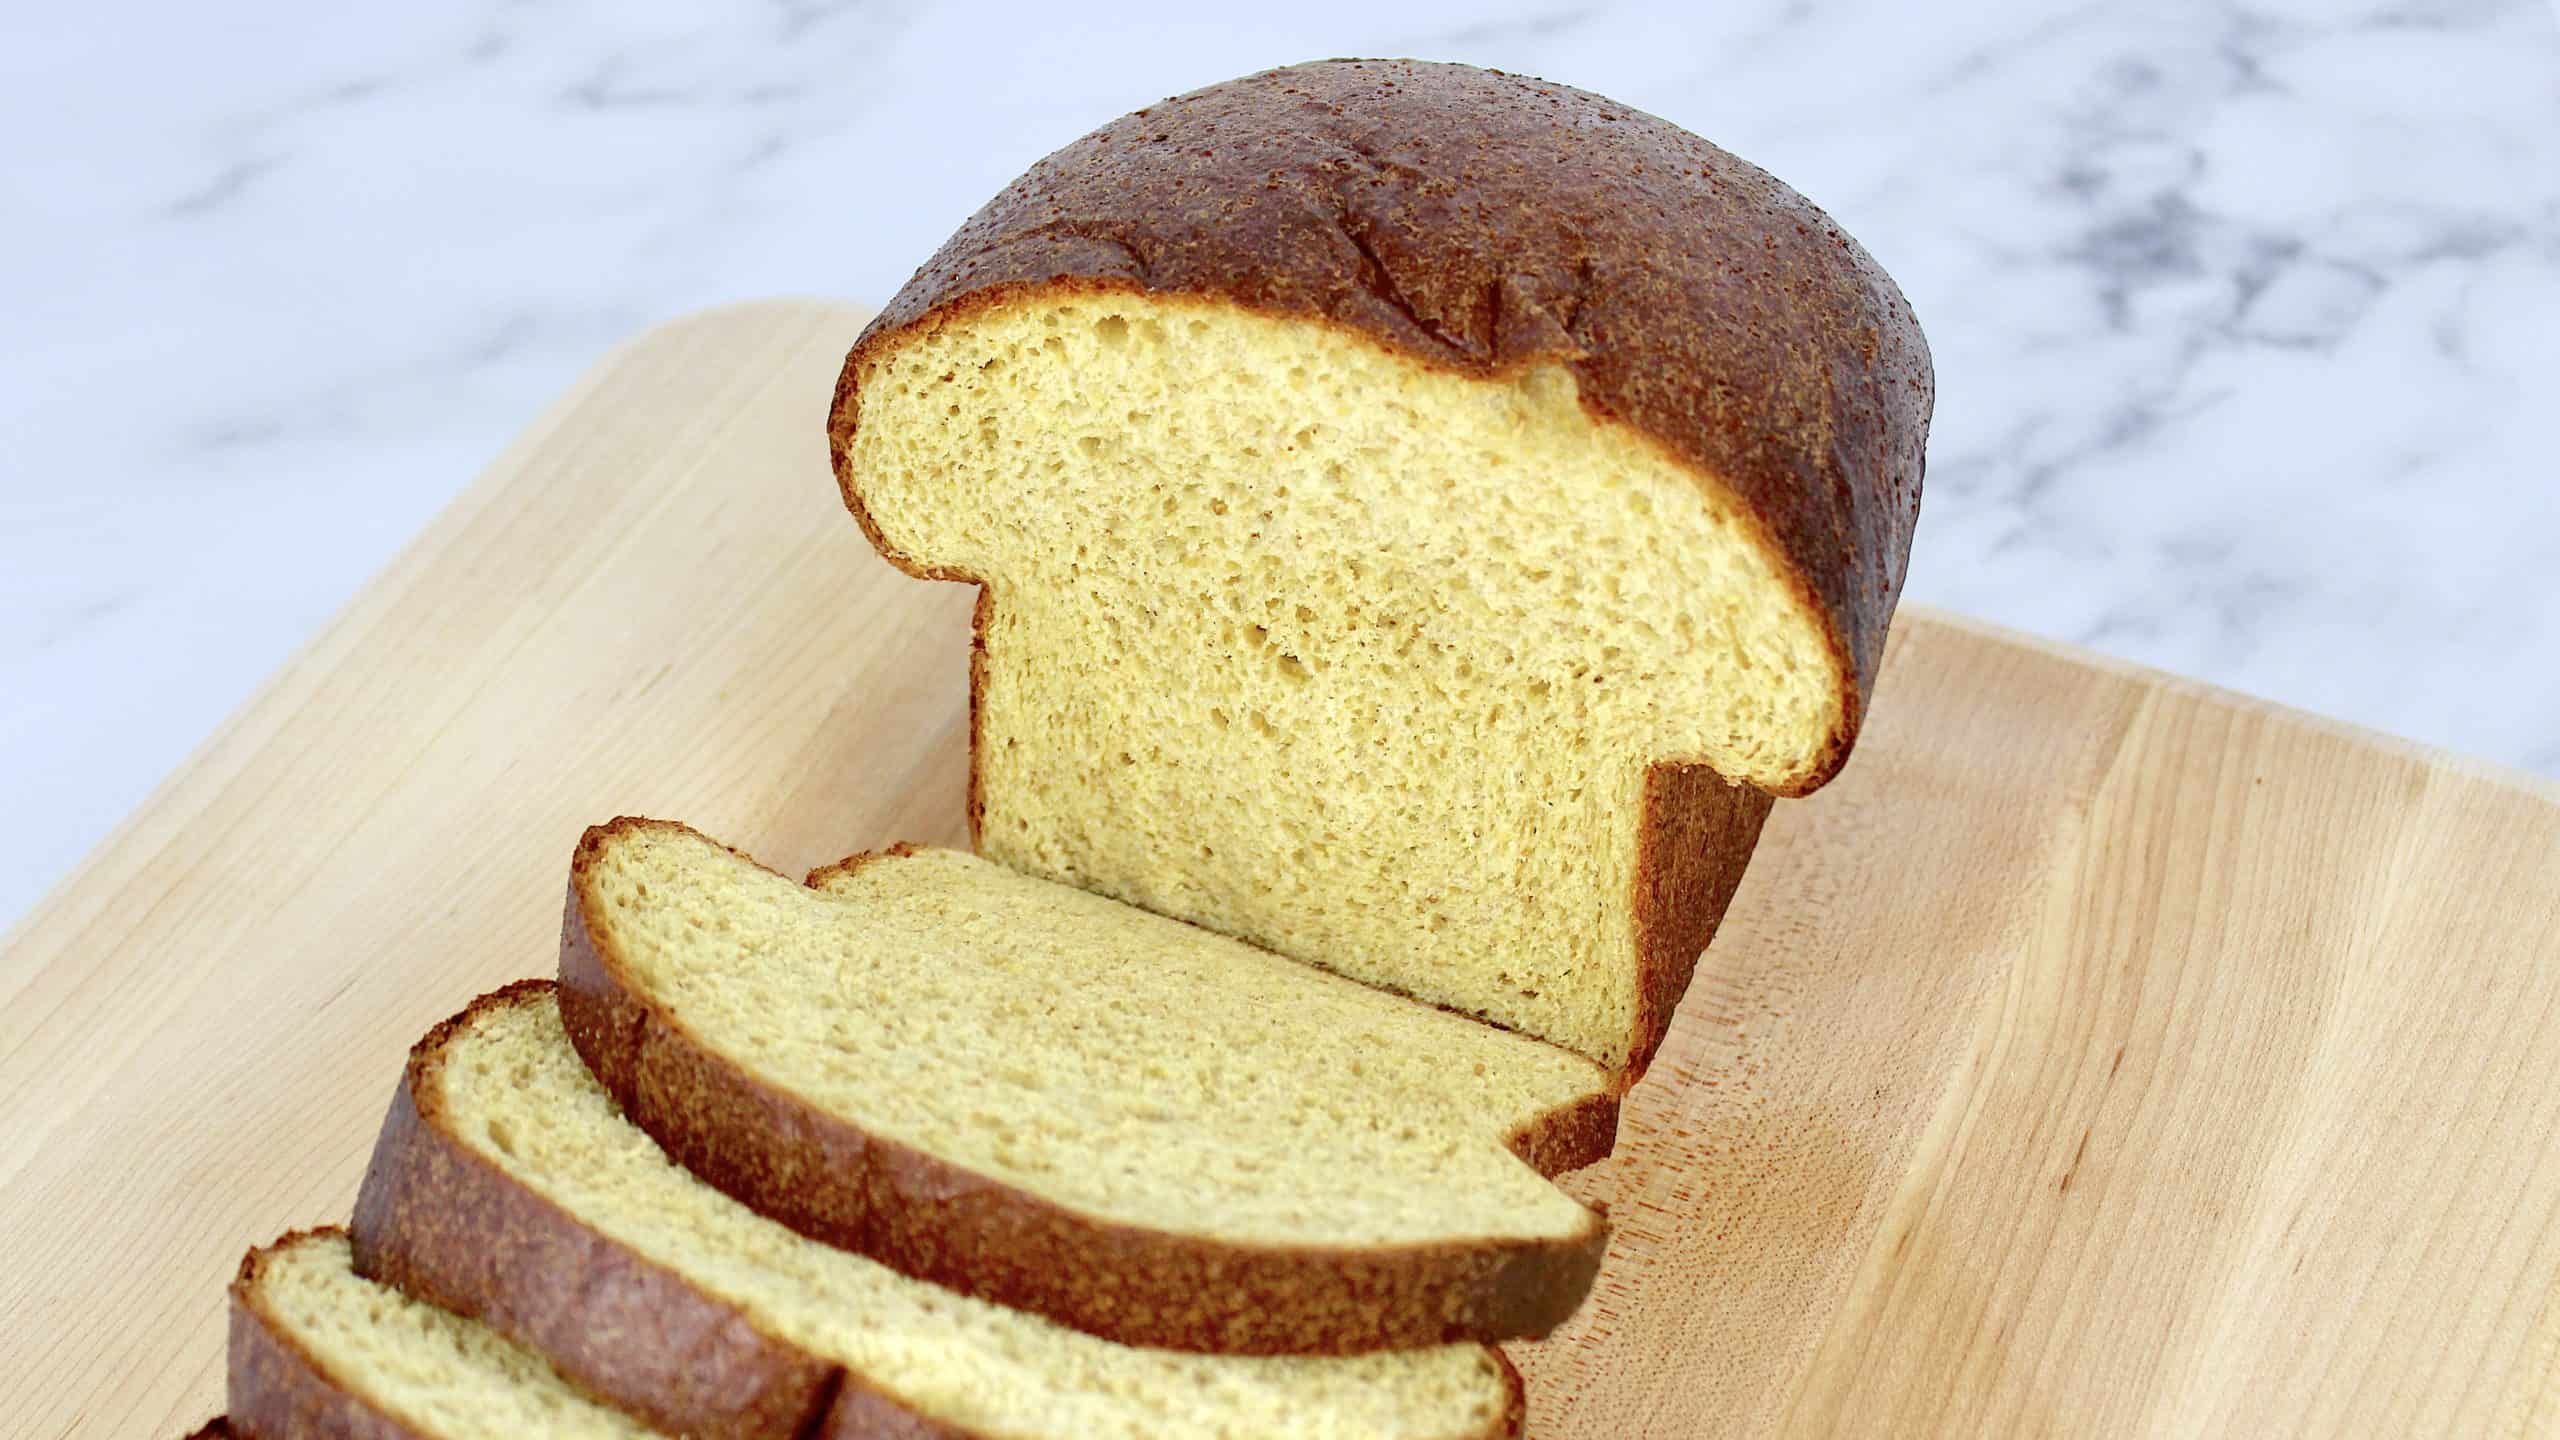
<point x="1058" y="1102"/>
<point x="1422" y="518"/>
<point x="1421" y="515"/>
<point x="507" y="1186"/>
<point x="318" y="1351"/>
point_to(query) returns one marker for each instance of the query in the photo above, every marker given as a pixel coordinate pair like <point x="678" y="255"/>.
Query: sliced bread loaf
<point x="1399" y="491"/>
<point x="319" y="1351"/>
<point x="1068" y="1105"/>
<point x="508" y="1186"/>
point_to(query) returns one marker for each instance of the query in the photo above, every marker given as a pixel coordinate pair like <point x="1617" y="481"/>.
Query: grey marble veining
<point x="2247" y="316"/>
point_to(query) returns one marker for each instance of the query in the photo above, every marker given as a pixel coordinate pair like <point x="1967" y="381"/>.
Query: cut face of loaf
<point x="509" y="1186"/>
<point x="1364" y="661"/>
<point x="1072" y="1106"/>
<point x="1399" y="492"/>
<point x="317" y="1350"/>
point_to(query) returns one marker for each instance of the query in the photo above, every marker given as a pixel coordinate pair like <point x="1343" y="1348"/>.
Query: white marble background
<point x="2247" y="315"/>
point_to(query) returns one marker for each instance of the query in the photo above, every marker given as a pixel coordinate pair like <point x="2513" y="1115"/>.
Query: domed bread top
<point x="1401" y="492"/>
<point x="1493" y="225"/>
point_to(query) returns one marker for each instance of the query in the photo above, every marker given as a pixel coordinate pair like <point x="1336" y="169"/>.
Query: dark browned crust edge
<point x="277" y="1389"/>
<point x="818" y="878"/>
<point x="981" y="615"/>
<point x="1699" y="832"/>
<point x="1480" y="222"/>
<point x="926" y="1217"/>
<point x="217" y="1428"/>
<point x="1580" y="1132"/>
<point x="439" y="1222"/>
<point x="1515" y="1408"/>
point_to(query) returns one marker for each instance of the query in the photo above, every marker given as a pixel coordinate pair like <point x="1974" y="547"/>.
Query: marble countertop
<point x="2246" y="316"/>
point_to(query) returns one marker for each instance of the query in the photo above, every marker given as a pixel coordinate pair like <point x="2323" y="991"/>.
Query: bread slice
<point x="317" y="1350"/>
<point x="1068" y="1105"/>
<point x="508" y="1186"/>
<point x="1399" y="491"/>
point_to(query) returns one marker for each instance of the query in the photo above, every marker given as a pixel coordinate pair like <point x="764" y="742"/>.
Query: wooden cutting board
<point x="2101" y="1055"/>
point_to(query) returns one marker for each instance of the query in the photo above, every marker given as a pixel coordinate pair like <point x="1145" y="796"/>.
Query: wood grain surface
<point x="2101" y="1055"/>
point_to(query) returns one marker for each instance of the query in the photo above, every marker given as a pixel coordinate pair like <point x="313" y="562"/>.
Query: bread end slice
<point x="828" y="1176"/>
<point x="277" y="1387"/>
<point x="316" y="1349"/>
<point x="436" y="1221"/>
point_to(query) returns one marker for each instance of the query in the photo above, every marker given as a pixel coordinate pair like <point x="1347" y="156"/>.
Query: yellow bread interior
<point x="1310" y="643"/>
<point x="513" y="1089"/>
<point x="432" y="1371"/>
<point x="1120" y="1065"/>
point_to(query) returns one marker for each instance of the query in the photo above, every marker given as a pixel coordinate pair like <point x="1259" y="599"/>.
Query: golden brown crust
<point x="818" y="878"/>
<point x="980" y="616"/>
<point x="1482" y="223"/>
<point x="1698" y="833"/>
<point x="1515" y="1410"/>
<point x="1578" y="1133"/>
<point x="277" y="1389"/>
<point x="442" y="1223"/>
<point x="927" y="1217"/>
